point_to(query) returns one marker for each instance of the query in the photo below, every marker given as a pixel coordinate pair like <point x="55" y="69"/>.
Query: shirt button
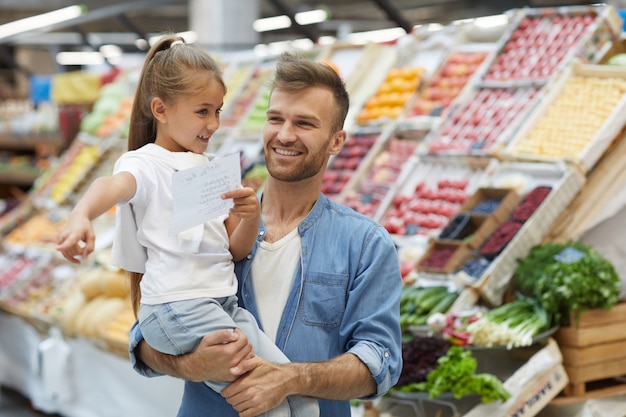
<point x="261" y="233"/>
<point x="249" y="257"/>
<point x="386" y="354"/>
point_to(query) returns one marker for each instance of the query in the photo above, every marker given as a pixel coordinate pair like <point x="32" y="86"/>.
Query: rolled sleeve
<point x="377" y="360"/>
<point x="135" y="338"/>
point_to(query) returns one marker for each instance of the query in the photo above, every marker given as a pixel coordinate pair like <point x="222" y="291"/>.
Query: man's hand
<point x="262" y="389"/>
<point x="222" y="356"/>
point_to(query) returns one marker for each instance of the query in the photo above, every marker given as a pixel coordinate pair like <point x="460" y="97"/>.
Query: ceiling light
<point x="112" y="53"/>
<point x="41" y="20"/>
<point x="377" y="36"/>
<point x="283" y="22"/>
<point x="80" y="58"/>
<point x="271" y="23"/>
<point x="311" y="17"/>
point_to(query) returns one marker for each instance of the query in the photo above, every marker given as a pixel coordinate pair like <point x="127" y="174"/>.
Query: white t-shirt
<point x="195" y="263"/>
<point x="272" y="275"/>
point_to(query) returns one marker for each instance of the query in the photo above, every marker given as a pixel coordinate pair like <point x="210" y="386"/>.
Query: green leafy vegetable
<point x="456" y="373"/>
<point x="532" y="267"/>
<point x="571" y="286"/>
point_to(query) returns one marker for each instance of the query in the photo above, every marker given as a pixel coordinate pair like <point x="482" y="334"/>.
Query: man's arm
<point x="341" y="378"/>
<point x="221" y="356"/>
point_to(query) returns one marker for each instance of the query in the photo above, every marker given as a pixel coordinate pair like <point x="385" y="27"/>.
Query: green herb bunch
<point x="566" y="288"/>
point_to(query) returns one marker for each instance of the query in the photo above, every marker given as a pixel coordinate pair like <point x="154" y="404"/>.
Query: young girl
<point x="185" y="283"/>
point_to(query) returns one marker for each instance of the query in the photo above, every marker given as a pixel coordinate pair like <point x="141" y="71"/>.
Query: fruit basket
<point x="564" y="127"/>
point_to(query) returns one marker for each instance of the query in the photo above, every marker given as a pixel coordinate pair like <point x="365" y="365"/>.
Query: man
<point x="322" y="280"/>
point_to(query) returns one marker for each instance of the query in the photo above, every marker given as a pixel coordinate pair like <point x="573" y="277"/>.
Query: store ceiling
<point x="154" y="16"/>
<point x="123" y="21"/>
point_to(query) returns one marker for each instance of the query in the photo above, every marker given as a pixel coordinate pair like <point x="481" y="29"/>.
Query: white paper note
<point x="197" y="191"/>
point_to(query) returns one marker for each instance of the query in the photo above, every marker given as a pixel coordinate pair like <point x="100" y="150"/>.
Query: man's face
<point x="298" y="136"/>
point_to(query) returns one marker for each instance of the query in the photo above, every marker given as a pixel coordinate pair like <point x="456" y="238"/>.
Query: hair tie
<point x="176" y="42"/>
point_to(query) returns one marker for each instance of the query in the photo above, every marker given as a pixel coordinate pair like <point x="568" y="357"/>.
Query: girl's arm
<point x="242" y="224"/>
<point x="78" y="238"/>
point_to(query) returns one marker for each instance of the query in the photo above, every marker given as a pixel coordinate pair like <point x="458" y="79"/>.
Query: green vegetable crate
<point x="593" y="350"/>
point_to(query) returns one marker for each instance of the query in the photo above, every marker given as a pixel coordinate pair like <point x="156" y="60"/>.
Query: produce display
<point x="419" y="358"/>
<point x="445" y="86"/>
<point x="568" y="128"/>
<point x="455" y="373"/>
<point x="257" y="114"/>
<point x="474" y="267"/>
<point x="110" y="113"/>
<point x="568" y="279"/>
<point x="240" y="106"/>
<point x="39" y="230"/>
<point x="14" y="268"/>
<point x="71" y="172"/>
<point x="496" y="202"/>
<point x="454" y="229"/>
<point x="530" y="203"/>
<point x="418" y="303"/>
<point x="389" y="101"/>
<point x="548" y="39"/>
<point x="441" y="193"/>
<point x="487" y="117"/>
<point x="235" y="78"/>
<point x="343" y="165"/>
<point x="514" y="324"/>
<point x="472" y="232"/>
<point x="498" y="240"/>
<point x="381" y="176"/>
<point x="487" y="206"/>
<point x="31" y="288"/>
<point x="442" y="256"/>
<point x="427" y="210"/>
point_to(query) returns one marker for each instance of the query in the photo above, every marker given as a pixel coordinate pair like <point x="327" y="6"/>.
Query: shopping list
<point x="197" y="192"/>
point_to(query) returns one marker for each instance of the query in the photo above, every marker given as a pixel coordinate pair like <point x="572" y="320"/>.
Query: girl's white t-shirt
<point x="272" y="276"/>
<point x="195" y="263"/>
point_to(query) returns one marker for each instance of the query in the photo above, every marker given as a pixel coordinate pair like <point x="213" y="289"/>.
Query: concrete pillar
<point x="224" y="25"/>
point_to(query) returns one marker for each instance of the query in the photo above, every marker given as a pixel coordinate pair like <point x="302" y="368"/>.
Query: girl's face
<point x="188" y="122"/>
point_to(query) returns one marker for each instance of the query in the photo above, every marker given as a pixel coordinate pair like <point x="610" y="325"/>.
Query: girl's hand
<point x="77" y="239"/>
<point x="245" y="203"/>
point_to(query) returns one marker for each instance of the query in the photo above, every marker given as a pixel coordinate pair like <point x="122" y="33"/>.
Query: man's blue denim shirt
<point x="345" y="298"/>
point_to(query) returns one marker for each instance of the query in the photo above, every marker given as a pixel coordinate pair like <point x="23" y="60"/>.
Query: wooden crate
<point x="508" y="200"/>
<point x="460" y="251"/>
<point x="593" y="347"/>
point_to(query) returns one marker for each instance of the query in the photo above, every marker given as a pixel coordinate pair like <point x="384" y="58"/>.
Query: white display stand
<point x="95" y="383"/>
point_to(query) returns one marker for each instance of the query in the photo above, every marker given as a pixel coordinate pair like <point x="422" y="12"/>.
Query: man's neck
<point x="284" y="207"/>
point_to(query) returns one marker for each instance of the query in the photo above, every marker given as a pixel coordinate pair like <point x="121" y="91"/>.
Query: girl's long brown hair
<point x="172" y="69"/>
